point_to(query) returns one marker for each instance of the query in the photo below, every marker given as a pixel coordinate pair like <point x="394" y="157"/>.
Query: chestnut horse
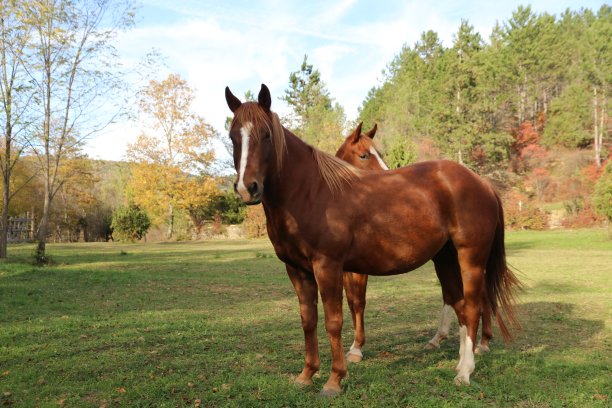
<point x="359" y="150"/>
<point x="324" y="216"/>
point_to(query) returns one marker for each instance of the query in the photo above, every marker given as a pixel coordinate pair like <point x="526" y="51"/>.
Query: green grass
<point x="217" y="324"/>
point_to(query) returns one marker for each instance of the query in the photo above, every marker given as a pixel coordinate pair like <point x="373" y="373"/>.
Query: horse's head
<point x="358" y="149"/>
<point x="258" y="143"/>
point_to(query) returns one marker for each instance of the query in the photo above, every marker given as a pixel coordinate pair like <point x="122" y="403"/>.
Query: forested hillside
<point x="528" y="107"/>
<point x="536" y="73"/>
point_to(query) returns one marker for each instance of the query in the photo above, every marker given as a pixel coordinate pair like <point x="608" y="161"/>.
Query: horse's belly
<point x="389" y="256"/>
<point x="389" y="265"/>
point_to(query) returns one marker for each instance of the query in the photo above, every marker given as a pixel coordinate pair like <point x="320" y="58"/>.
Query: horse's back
<point x="445" y="193"/>
<point x="469" y="202"/>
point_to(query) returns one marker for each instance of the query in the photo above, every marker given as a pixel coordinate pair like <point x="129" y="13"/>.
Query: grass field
<point x="217" y="324"/>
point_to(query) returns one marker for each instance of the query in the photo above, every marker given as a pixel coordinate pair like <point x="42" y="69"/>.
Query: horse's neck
<point x="296" y="177"/>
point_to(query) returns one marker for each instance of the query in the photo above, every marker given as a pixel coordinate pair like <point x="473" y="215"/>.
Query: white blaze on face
<point x="380" y="161"/>
<point x="244" y="155"/>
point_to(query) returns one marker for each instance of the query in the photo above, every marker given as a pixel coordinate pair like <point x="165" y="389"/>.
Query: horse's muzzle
<point x="252" y="195"/>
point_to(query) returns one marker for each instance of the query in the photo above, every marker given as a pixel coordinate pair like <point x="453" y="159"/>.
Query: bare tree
<point x="72" y="64"/>
<point x="15" y="97"/>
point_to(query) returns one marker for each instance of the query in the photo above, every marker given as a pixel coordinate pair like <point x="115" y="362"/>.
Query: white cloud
<point x="243" y="50"/>
<point x="335" y="12"/>
<point x="213" y="44"/>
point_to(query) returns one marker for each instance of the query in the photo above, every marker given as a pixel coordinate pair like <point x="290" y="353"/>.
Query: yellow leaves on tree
<point x="172" y="156"/>
<point x="176" y="136"/>
<point x="157" y="188"/>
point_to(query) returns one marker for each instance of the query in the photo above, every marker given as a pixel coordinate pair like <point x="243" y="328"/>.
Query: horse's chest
<point x="289" y="245"/>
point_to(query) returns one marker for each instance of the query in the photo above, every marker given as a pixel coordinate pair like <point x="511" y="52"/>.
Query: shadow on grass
<point x="157" y="254"/>
<point x="554" y="326"/>
<point x="547" y="328"/>
<point x="51" y="293"/>
<point x="167" y="257"/>
<point x="518" y="246"/>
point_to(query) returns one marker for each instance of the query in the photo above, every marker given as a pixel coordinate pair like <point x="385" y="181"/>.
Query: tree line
<point x="471" y="101"/>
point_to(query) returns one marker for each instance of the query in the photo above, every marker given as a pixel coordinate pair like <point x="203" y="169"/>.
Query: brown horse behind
<point x="324" y="216"/>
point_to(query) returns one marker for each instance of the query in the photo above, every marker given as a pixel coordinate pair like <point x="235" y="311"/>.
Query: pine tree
<point x="315" y="116"/>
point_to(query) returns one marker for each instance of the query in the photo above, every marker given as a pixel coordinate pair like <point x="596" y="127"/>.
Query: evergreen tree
<point x="473" y="98"/>
<point x="315" y="117"/>
<point x="569" y="118"/>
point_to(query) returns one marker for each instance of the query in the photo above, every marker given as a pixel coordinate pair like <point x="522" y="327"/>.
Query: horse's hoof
<point x="481" y="349"/>
<point x="328" y="391"/>
<point x="431" y="346"/>
<point x="461" y="380"/>
<point x="354" y="358"/>
<point x="300" y="382"/>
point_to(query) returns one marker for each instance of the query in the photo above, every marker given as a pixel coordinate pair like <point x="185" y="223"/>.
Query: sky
<point x="244" y="43"/>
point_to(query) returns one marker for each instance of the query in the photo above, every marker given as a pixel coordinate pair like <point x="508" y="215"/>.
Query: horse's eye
<point x="364" y="156"/>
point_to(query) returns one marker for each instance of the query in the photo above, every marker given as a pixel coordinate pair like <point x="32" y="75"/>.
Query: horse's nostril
<point x="253" y="188"/>
<point x="235" y="186"/>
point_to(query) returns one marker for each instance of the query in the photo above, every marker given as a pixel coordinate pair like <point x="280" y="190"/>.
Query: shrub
<point x="581" y="217"/>
<point x="130" y="223"/>
<point x="226" y="208"/>
<point x="520" y="214"/>
<point x="255" y="222"/>
<point x="529" y="218"/>
<point x="602" y="196"/>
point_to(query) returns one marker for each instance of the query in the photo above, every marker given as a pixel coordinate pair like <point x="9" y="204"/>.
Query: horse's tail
<point x="501" y="281"/>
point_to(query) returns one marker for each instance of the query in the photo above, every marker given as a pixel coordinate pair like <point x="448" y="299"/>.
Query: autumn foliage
<point x="172" y="156"/>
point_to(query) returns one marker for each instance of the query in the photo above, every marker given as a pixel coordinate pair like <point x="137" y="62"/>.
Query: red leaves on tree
<point x="524" y="136"/>
<point x="533" y="151"/>
<point x="527" y="148"/>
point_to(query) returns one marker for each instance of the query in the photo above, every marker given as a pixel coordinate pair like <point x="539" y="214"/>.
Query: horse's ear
<point x="372" y="132"/>
<point x="232" y="102"/>
<point x="354" y="137"/>
<point x="264" y="98"/>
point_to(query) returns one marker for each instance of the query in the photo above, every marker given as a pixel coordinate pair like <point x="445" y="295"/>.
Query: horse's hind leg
<point x="449" y="275"/>
<point x="443" y="328"/>
<point x="472" y="262"/>
<point x="487" y="331"/>
<point x="355" y="286"/>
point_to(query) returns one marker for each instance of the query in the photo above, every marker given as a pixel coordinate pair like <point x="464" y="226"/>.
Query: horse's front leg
<point x="328" y="274"/>
<point x="355" y="287"/>
<point x="306" y="290"/>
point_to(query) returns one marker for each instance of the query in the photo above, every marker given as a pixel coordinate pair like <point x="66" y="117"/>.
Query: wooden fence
<point x="21" y="229"/>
